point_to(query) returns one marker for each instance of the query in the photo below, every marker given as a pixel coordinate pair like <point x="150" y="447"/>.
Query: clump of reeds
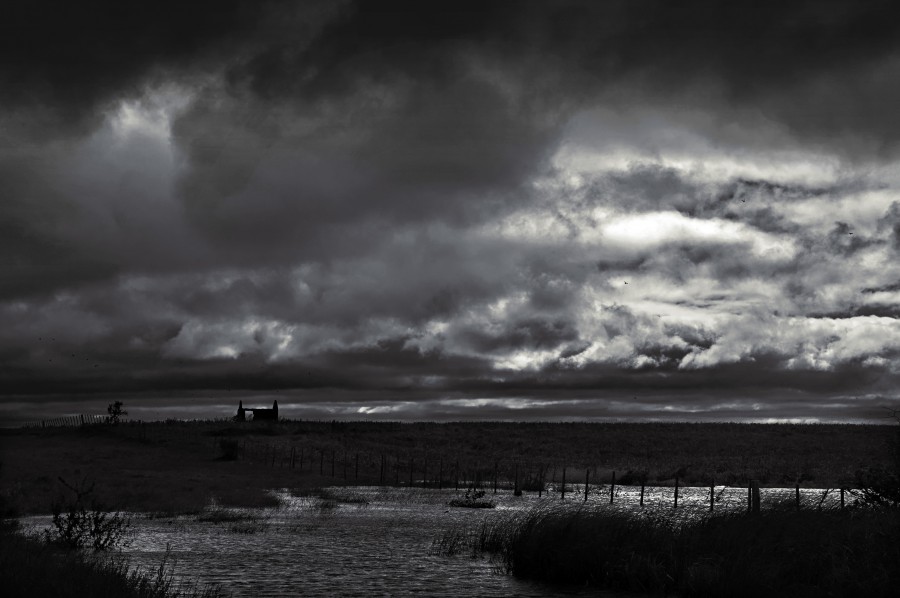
<point x="30" y="567"/>
<point x="474" y="499"/>
<point x="330" y="498"/>
<point x="775" y="553"/>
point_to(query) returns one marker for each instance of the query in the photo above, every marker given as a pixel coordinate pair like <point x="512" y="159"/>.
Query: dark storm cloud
<point x="63" y="59"/>
<point x="457" y="199"/>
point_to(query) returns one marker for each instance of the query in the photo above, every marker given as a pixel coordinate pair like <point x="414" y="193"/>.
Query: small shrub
<point x="230" y="449"/>
<point x="473" y="500"/>
<point x="79" y="522"/>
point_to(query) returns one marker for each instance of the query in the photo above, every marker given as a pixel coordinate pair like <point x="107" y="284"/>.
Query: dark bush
<point x="230" y="449"/>
<point x="80" y="522"/>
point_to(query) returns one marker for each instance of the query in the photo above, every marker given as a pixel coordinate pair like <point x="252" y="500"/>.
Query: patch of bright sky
<point x="702" y="146"/>
<point x="861" y="210"/>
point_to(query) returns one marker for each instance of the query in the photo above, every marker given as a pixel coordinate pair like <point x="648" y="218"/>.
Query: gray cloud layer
<point x="688" y="206"/>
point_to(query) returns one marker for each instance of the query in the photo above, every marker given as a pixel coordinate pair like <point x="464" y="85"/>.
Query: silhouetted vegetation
<point x="879" y="485"/>
<point x="30" y="568"/>
<point x="80" y="522"/>
<point x="116" y="412"/>
<point x="474" y="499"/>
<point x="854" y="552"/>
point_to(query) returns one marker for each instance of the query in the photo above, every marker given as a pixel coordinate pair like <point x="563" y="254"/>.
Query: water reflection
<point x="368" y="541"/>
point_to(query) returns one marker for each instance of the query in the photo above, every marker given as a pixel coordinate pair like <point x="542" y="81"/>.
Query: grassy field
<point x="181" y="466"/>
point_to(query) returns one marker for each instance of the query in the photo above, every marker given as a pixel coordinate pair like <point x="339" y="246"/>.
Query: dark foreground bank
<point x="854" y="552"/>
<point x="30" y="567"/>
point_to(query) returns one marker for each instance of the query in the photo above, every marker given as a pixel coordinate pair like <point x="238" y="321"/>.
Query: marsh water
<point x="372" y="541"/>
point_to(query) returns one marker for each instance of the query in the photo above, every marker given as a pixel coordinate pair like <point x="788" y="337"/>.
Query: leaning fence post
<point x="612" y="488"/>
<point x="676" y="492"/>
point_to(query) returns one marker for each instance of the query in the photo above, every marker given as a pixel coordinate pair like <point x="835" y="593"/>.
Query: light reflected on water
<point x="377" y="541"/>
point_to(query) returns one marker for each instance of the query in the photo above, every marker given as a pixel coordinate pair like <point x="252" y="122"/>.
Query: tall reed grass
<point x="775" y="553"/>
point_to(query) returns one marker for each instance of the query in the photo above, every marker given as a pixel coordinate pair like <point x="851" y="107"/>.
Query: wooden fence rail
<point x="69" y="421"/>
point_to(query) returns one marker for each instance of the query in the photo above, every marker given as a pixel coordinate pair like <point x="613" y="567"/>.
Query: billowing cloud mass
<point x="578" y="209"/>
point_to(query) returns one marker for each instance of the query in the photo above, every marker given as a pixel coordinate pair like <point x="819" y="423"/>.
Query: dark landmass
<point x="181" y="466"/>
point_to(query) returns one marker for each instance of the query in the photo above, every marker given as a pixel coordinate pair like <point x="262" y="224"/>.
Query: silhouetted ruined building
<point x="259" y="413"/>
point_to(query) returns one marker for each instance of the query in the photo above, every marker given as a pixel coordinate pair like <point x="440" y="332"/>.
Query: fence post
<point x="612" y="488"/>
<point x="293" y="451"/>
<point x="516" y="491"/>
<point x="345" y="465"/>
<point x="562" y="491"/>
<point x="540" y="480"/>
<point x="441" y="474"/>
<point x="587" y="482"/>
<point x="356" y="475"/>
<point x="410" y="472"/>
<point x="496" y="465"/>
<point x="797" y="494"/>
<point x="643" y="482"/>
<point x="425" y="471"/>
<point x="456" y="470"/>
<point x="754" y="496"/>
<point x="842" y="497"/>
<point x="712" y="494"/>
<point x="676" y="492"/>
<point x="321" y="462"/>
<point x="332" y="462"/>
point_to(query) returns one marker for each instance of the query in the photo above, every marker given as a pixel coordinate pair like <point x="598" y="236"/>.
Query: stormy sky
<point x="451" y="210"/>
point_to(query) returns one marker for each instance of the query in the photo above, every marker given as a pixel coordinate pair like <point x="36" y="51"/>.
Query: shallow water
<point x="372" y="541"/>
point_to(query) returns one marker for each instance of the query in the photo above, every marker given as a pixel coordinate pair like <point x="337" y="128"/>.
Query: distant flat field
<point x="180" y="466"/>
